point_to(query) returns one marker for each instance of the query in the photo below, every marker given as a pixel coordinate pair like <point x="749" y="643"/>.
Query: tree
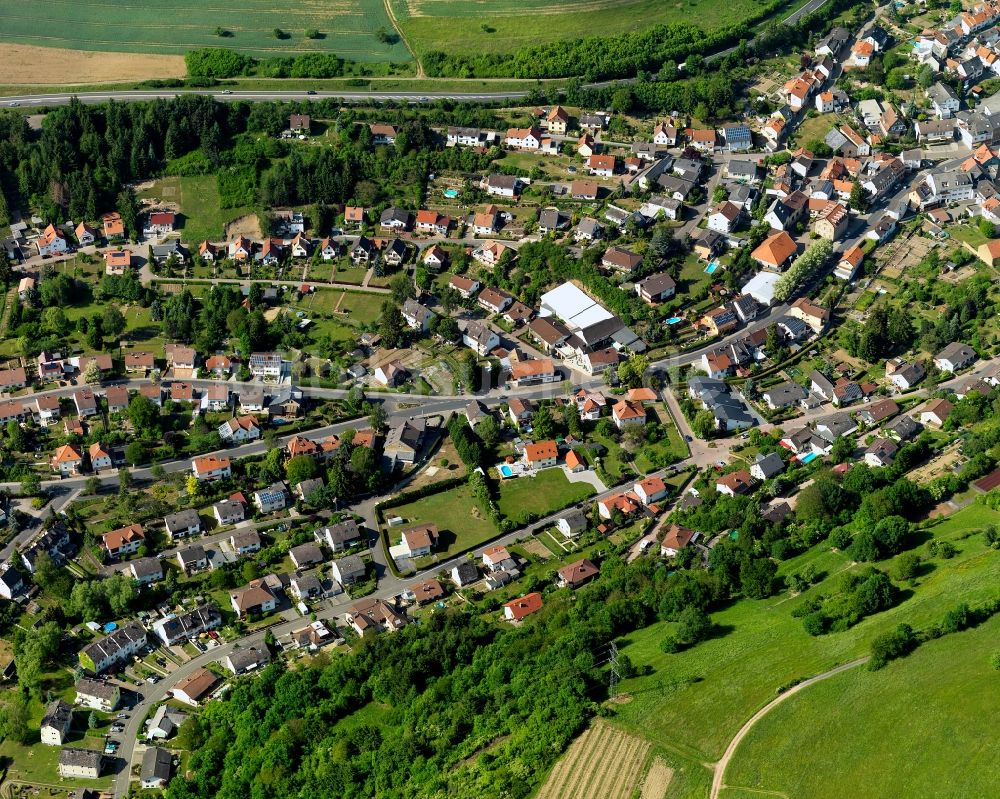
<point x="93" y="485"/>
<point x="906" y="566"/>
<point x="803" y="269"/>
<point x="488" y="431"/>
<point x="378" y="418"/>
<point x="128" y="207"/>
<point x="572" y="416"/>
<point x="125" y="479"/>
<point x="92" y="374"/>
<point x="703" y="424"/>
<point x="135" y="453"/>
<point x="31" y="484"/>
<point x="632" y="371"/>
<point x="192" y="486"/>
<point x="392" y="325"/>
<point x="113" y="322"/>
<point x="402" y="288"/>
<point x="301" y="467"/>
<point x="16" y="439"/>
<point x="95" y="334"/>
<point x="694" y="625"/>
<point x="858" y="200"/>
<point x="144" y="415"/>
<point x="842" y="449"/>
<point x="542" y="423"/>
<point x="92" y="721"/>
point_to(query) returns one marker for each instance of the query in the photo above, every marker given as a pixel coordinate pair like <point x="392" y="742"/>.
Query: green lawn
<point x="453" y="26"/>
<point x="541" y="495"/>
<point x="694" y="701"/>
<point x="855" y="734"/>
<point x="349" y="30"/>
<point x="460" y="522"/>
<point x="198" y="198"/>
<point x="612" y="461"/>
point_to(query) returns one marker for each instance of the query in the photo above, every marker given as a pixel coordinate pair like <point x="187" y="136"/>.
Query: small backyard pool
<point x="808" y="458"/>
<point x="451" y="194"/>
<point x="506" y="471"/>
<point x="673" y="320"/>
<point x="710" y="269"/>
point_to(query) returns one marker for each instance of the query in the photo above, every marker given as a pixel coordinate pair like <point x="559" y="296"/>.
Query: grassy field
<point x="849" y="735"/>
<point x="175" y="26"/>
<point x="541" y="495"/>
<point x="694" y="701"/>
<point x="460" y="522"/>
<point x="198" y="199"/>
<point x="454" y="26"/>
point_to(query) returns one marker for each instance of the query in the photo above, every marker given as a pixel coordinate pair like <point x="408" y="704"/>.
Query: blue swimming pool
<point x="673" y="320"/>
<point x="451" y="194"/>
<point x="506" y="471"/>
<point x="808" y="458"/>
<point x="710" y="269"/>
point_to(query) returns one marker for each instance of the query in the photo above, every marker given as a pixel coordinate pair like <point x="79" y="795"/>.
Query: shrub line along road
<point x="720" y="767"/>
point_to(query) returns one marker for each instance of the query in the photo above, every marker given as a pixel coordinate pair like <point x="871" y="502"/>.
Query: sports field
<point x="349" y="29"/>
<point x="505" y="25"/>
<point x="923" y="726"/>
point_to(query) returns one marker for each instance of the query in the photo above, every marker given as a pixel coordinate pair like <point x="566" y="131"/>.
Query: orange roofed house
<point x="211" y="467"/>
<point x="124" y="540"/>
<point x="541" y="454"/>
<point x="775" y="252"/>
<point x="518" y="609"/>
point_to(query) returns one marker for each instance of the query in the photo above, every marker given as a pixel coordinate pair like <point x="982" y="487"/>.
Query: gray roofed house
<point x="955" y="357"/>
<point x="192" y="558"/>
<point x="176" y="628"/>
<point x="834" y="426"/>
<point x="395" y="217"/>
<point x="305" y="555"/>
<point x="156" y="766"/>
<point x="903" y="428"/>
<point x="588" y="229"/>
<point x="743" y="195"/>
<point x="339" y="536"/>
<point x="75" y="763"/>
<point x="146" y="570"/>
<point x="572" y="523"/>
<point x="164" y="722"/>
<point x="307" y="487"/>
<point x="464" y="573"/>
<point x="56" y="722"/>
<point x="551" y="220"/>
<point x="793" y="327"/>
<point x="767" y="466"/>
<point x="743" y="169"/>
<point x="348" y="569"/>
<point x="677" y="187"/>
<point x="821" y="385"/>
<point x="417" y="316"/>
<point x="248" y="658"/>
<point x="184" y="522"/>
<point x="404" y="441"/>
<point x="783" y="395"/>
<point x="835" y="140"/>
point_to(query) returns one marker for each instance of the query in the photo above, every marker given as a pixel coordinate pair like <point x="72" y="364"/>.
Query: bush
<point x="892" y="645"/>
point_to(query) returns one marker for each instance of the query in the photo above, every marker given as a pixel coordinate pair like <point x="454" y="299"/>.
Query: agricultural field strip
<point x="603" y="763"/>
<point x="554" y="785"/>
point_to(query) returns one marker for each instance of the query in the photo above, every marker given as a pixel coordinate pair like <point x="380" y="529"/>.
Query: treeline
<point x="221" y="62"/>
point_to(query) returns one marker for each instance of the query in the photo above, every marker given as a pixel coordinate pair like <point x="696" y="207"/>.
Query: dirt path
<point x="720" y="768"/>
<point x="395" y="23"/>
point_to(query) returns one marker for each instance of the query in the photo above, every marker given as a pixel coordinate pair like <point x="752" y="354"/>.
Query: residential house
<point x="56" y="723"/>
<point x="417" y="316"/>
<point x="519" y="609"/>
<point x="656" y="288"/>
<point x="775" y="252"/>
<point x="676" y="539"/>
<point x="809" y="312"/>
<point x="533" y="372"/>
<point x="146" y="571"/>
<point x="98" y="694"/>
<point x="182" y="524"/>
<point x="211" y="467"/>
<point x="339" y="536"/>
<point x="577" y="574"/>
<point x="118" y="647"/>
<point x="124" y="540"/>
<point x="396" y="219"/>
<point x="373" y="615"/>
<point x="767" y="466"/>
<point x="832" y="222"/>
<point x="404" y="441"/>
<point x="503" y="185"/>
<point x="651" y="490"/>
<point x="382" y="133"/>
<point x="465" y="286"/>
<point x="254" y="599"/>
<point x="157" y="765"/>
<point x="419" y="541"/>
<point x="494" y="301"/>
<point x="270" y="499"/>
<point x="627" y="413"/>
<point x="250" y="658"/>
<point x="955" y="357"/>
<point x="192" y="559"/>
<point x="541" y="455"/>
<point x="77" y="763"/>
<point x="904" y="374"/>
<point x="881" y="452"/>
<point x="117" y="262"/>
<point x="735" y="483"/>
<point x="572" y="523"/>
<point x="53" y="241"/>
<point x="621" y="259"/>
<point x="348" y="570"/>
<point x="936" y="412"/>
<point x="195" y="688"/>
<point x="480" y="338"/>
<point x="240" y="429"/>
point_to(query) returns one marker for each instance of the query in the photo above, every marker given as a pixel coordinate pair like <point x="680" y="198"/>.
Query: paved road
<point x="720" y="768"/>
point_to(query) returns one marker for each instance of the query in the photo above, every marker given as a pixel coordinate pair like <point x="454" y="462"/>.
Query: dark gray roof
<point x="156" y="763"/>
<point x="770" y="464"/>
<point x="182" y="520"/>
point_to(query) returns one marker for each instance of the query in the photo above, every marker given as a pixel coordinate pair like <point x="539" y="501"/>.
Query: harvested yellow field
<point x="28" y="65"/>
<point x="603" y="763"/>
<point x="657" y="780"/>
